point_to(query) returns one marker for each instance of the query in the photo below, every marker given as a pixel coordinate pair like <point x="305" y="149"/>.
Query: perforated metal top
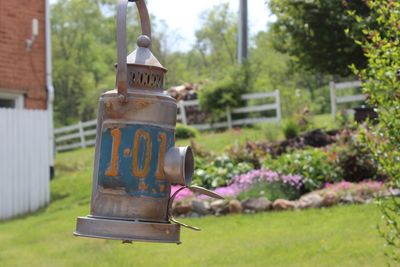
<point x="144" y="70"/>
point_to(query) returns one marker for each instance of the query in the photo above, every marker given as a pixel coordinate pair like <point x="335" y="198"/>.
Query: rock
<point x="257" y="204"/>
<point x="311" y="200"/>
<point x="390" y="193"/>
<point x="223" y="211"/>
<point x="218" y="204"/>
<point x="235" y="206"/>
<point x="348" y="199"/>
<point x="283" y="204"/>
<point x="220" y="207"/>
<point x="359" y="200"/>
<point x="201" y="207"/>
<point x="330" y="198"/>
<point x="182" y="208"/>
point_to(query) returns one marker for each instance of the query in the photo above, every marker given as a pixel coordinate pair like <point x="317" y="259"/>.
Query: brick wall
<point x="20" y="69"/>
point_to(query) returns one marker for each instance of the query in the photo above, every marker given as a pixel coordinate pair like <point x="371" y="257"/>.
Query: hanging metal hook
<point x="122" y="83"/>
<point x="193" y="188"/>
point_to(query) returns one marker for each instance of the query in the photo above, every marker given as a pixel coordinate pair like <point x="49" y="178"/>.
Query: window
<point x="11" y="100"/>
<point x="7" y="103"/>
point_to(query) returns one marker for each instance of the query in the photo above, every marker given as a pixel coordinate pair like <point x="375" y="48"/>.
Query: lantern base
<point x="127" y="230"/>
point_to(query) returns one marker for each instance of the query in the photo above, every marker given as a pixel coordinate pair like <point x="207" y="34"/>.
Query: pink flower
<point x="185" y="193"/>
<point x="245" y="181"/>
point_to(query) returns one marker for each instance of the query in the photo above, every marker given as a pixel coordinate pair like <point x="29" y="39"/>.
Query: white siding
<point x="24" y="161"/>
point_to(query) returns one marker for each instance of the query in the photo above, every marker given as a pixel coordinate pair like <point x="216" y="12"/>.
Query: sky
<point x="183" y="16"/>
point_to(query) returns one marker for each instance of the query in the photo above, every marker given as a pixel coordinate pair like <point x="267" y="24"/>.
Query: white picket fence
<point x="83" y="134"/>
<point x="24" y="161"/>
<point x="79" y="135"/>
<point x="335" y="88"/>
<point x="229" y="123"/>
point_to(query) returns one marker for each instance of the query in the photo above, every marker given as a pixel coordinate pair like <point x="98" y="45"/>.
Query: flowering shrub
<point x="271" y="184"/>
<point x="364" y="188"/>
<point x="246" y="181"/>
<point x="314" y="165"/>
<point x="185" y="193"/>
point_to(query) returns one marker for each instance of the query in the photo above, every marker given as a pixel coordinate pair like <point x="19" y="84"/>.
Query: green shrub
<point x="218" y="172"/>
<point x="356" y="160"/>
<point x="291" y="129"/>
<point x="314" y="165"/>
<point x="381" y="46"/>
<point x="298" y="123"/>
<point x="321" y="103"/>
<point x="185" y="131"/>
<point x="219" y="95"/>
<point x="343" y="119"/>
<point x="249" y="152"/>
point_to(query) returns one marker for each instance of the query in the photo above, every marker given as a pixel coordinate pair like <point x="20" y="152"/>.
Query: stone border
<point x="194" y="207"/>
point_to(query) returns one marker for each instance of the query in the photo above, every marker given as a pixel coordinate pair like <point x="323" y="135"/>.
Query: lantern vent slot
<point x="140" y="79"/>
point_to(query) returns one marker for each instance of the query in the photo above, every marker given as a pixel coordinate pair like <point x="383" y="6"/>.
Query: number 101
<point x="137" y="171"/>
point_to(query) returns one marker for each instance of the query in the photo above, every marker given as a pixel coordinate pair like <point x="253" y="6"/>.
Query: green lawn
<point x="217" y="142"/>
<point x="342" y="236"/>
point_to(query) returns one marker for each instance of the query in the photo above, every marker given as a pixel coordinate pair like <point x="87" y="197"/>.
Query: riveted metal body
<point x="129" y="180"/>
<point x="135" y="160"/>
<point x="135" y="130"/>
<point x="130" y="192"/>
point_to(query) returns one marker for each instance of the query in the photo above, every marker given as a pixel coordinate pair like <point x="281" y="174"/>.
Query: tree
<point x="216" y="40"/>
<point x="272" y="70"/>
<point x="313" y="33"/>
<point x="84" y="54"/>
<point x="83" y="58"/>
<point x="212" y="57"/>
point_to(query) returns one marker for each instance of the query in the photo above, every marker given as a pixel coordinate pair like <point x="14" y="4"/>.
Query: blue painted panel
<point x="125" y="178"/>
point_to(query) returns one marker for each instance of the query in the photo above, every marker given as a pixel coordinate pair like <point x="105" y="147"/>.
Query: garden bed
<point x="315" y="169"/>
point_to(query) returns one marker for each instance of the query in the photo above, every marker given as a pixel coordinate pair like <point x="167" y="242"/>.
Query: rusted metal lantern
<point x="136" y="161"/>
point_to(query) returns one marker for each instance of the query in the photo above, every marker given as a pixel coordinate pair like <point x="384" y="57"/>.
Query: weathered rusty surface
<point x="127" y="230"/>
<point x="107" y="203"/>
<point x="135" y="129"/>
<point x="116" y="203"/>
<point x="140" y="106"/>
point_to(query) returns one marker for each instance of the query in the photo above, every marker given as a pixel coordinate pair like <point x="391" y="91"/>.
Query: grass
<point x="339" y="236"/>
<point x="217" y="142"/>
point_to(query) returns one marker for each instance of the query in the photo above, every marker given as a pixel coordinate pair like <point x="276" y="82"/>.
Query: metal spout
<point x="179" y="165"/>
